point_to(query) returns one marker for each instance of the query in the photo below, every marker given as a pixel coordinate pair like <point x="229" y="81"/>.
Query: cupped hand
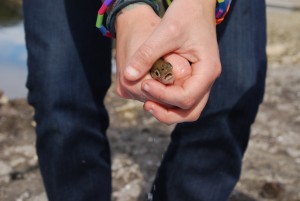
<point x="189" y="30"/>
<point x="134" y="25"/>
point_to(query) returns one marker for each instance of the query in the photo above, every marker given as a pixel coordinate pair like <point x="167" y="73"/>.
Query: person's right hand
<point x="189" y="30"/>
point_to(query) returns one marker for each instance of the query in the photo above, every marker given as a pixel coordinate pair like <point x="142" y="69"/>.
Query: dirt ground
<point x="271" y="165"/>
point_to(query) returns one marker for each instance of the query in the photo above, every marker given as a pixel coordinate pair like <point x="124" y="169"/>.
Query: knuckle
<point x="173" y="28"/>
<point x="144" y="54"/>
<point x="160" y="96"/>
<point x="218" y="68"/>
<point x="167" y="121"/>
<point x="187" y="103"/>
<point x="121" y="93"/>
<point x="164" y="119"/>
<point x="195" y="115"/>
<point x="194" y="118"/>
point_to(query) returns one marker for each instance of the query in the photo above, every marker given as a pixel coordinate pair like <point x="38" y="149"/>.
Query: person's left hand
<point x="134" y="25"/>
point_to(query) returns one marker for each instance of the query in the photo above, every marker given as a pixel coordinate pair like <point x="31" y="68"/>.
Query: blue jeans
<point x="69" y="74"/>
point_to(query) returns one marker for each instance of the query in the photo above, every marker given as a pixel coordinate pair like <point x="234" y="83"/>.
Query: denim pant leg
<point x="203" y="160"/>
<point x="69" y="74"/>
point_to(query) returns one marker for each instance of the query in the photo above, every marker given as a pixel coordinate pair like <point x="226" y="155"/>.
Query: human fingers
<point x="131" y="33"/>
<point x="175" y="115"/>
<point x="161" y="42"/>
<point x="191" y="91"/>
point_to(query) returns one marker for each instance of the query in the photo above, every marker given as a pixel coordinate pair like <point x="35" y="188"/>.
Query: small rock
<point x="26" y="150"/>
<point x="272" y="190"/>
<point x="5" y="169"/>
<point x="276" y="49"/>
<point x="295" y="153"/>
<point x="41" y="197"/>
<point x="297" y="119"/>
<point x="17" y="161"/>
<point x="33" y="124"/>
<point x="2" y="137"/>
<point x="129" y="192"/>
<point x="3" y="99"/>
<point x="17" y="175"/>
<point x="134" y="188"/>
<point x="33" y="161"/>
<point x="128" y="181"/>
<point x="130" y="105"/>
<point x="24" y="196"/>
<point x="129" y="115"/>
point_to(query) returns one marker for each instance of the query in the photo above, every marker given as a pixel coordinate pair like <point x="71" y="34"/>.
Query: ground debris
<point x="272" y="190"/>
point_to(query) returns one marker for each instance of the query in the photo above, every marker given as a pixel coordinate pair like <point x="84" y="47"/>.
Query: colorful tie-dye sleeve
<point x="222" y="8"/>
<point x="109" y="5"/>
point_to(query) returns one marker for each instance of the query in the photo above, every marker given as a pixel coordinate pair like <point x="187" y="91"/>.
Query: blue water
<point x="13" y="57"/>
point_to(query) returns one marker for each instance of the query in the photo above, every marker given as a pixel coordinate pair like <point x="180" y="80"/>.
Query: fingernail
<point x="150" y="111"/>
<point x="132" y="72"/>
<point x="146" y="87"/>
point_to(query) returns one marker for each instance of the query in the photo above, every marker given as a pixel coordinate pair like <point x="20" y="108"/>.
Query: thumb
<point x="156" y="46"/>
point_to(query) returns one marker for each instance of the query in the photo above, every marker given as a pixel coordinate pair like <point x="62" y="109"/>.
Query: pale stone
<point x="41" y="197"/>
<point x="3" y="100"/>
<point x="26" y="150"/>
<point x="17" y="161"/>
<point x="24" y="196"/>
<point x="5" y="169"/>
<point x="276" y="49"/>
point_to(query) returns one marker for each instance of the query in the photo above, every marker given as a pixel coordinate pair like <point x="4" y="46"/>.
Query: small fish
<point x="162" y="72"/>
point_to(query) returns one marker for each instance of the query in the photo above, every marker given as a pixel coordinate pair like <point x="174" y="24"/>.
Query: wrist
<point x="113" y="7"/>
<point x="191" y="11"/>
<point x="123" y="4"/>
<point x="207" y="9"/>
<point x="220" y="7"/>
<point x="132" y="14"/>
<point x="135" y="20"/>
